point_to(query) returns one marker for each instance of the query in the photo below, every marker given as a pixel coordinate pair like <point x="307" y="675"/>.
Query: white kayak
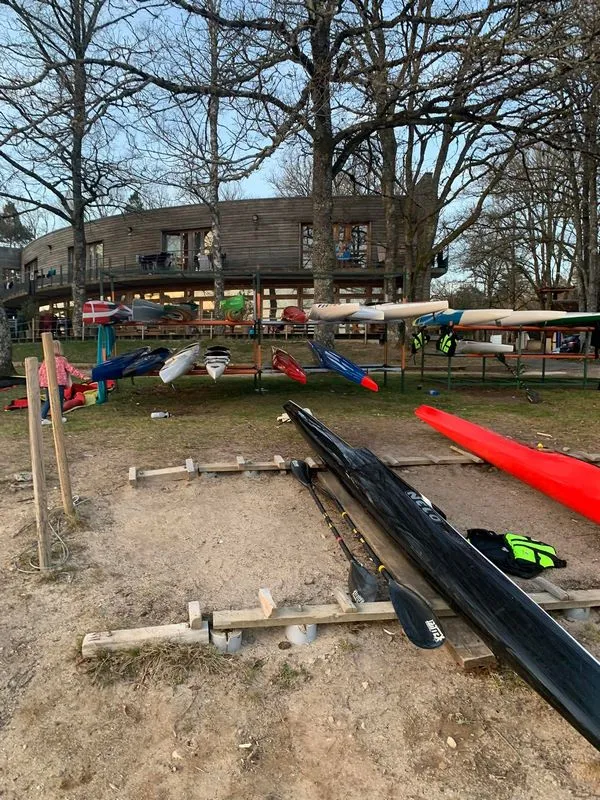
<point x="393" y="311"/>
<point x="466" y="347"/>
<point x="180" y="363"/>
<point x="468" y="316"/>
<point x="332" y="312"/>
<point x="532" y="317"/>
<point x="215" y="369"/>
<point x="367" y="314"/>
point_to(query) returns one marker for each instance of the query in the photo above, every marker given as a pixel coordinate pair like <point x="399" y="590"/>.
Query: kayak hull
<point x="343" y="366"/>
<point x="516" y="629"/>
<point x="533" y="318"/>
<point x="469" y="316"/>
<point x="180" y="363"/>
<point x="113" y="368"/>
<point x="393" y="311"/>
<point x="282" y="361"/>
<point x="332" y="312"/>
<point x="147" y="363"/>
<point x="466" y="347"/>
<point x="294" y="314"/>
<point x="103" y="312"/>
<point x="146" y="311"/>
<point x="215" y="369"/>
<point x="573" y="483"/>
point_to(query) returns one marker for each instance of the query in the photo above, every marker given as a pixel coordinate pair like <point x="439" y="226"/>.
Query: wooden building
<point x="164" y="254"/>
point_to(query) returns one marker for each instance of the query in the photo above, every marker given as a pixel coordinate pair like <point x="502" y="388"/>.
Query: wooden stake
<point x="57" y="426"/>
<point x="37" y="461"/>
<point x="268" y="605"/>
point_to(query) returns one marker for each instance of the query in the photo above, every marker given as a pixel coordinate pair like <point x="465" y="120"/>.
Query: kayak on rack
<point x="562" y="671"/>
<point x="574" y="483"/>
<point x="216" y="360"/>
<point x="533" y="317"/>
<point x="393" y="311"/>
<point x="294" y="314"/>
<point x="180" y="362"/>
<point x="469" y="316"/>
<point x="146" y="311"/>
<point x="329" y="359"/>
<point x="146" y="363"/>
<point x="103" y="312"/>
<point x="466" y="347"/>
<point x="332" y="312"/>
<point x="113" y="368"/>
<point x="282" y="361"/>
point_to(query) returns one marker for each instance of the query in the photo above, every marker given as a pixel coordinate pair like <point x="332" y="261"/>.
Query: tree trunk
<point x="6" y="365"/>
<point x="323" y="251"/>
<point x="78" y="209"/>
<point x="213" y="189"/>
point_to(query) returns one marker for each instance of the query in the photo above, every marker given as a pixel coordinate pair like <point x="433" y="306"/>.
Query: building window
<point x="351" y="244"/>
<point x="31" y="269"/>
<point x="189" y="250"/>
<point x="94" y="252"/>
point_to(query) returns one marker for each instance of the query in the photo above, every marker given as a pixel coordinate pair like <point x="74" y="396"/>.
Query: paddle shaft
<point x="338" y="537"/>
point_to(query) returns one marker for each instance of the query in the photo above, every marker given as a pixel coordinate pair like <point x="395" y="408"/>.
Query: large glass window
<point x="95" y="255"/>
<point x="188" y="249"/>
<point x="351" y="244"/>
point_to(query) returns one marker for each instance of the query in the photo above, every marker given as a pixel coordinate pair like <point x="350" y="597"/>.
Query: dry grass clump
<point x="168" y="663"/>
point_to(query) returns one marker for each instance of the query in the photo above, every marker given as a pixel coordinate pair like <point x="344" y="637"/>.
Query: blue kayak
<point x="465" y="316"/>
<point x="334" y="361"/>
<point x="113" y="368"/>
<point x="146" y="363"/>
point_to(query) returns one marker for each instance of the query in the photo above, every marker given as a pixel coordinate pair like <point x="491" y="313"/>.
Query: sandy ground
<point x="360" y="713"/>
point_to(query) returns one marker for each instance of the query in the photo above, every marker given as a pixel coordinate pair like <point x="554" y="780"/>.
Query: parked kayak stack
<point x="216" y="360"/>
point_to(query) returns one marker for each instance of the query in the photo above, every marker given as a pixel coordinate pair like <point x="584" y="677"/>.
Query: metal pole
<point x="37" y="462"/>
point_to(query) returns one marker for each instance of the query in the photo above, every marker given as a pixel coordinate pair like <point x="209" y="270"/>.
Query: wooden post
<point x="37" y="461"/>
<point x="57" y="426"/>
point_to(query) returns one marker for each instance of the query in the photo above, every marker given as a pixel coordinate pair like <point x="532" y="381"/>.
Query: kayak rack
<point x="199" y="627"/>
<point x="191" y="468"/>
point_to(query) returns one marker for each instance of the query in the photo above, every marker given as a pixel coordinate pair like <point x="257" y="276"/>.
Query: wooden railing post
<point x="57" y="426"/>
<point x="37" y="461"/>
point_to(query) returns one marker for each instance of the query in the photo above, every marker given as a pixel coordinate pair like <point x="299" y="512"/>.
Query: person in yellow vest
<point x="446" y="344"/>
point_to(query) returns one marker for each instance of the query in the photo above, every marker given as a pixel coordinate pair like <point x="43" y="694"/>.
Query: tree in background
<point x="13" y="231"/>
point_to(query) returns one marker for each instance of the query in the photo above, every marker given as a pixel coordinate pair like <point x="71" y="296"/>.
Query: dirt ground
<point x="360" y="713"/>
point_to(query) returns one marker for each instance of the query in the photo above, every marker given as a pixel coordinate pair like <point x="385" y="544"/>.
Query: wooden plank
<point x="343" y="600"/>
<point x="544" y="585"/>
<point x="166" y="473"/>
<point x="315" y="463"/>
<point x="133" y="476"/>
<point x="372" y="612"/>
<point x="190" y="468"/>
<point x="241" y="462"/>
<point x="469" y="456"/>
<point x="465" y="646"/>
<point x="267" y="604"/>
<point x="195" y="615"/>
<point x="129" y="639"/>
<point x="280" y="463"/>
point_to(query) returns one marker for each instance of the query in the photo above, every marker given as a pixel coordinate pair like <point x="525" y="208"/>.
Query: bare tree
<point x="60" y="144"/>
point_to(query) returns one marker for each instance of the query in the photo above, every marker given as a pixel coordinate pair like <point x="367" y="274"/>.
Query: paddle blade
<point x="416" y="617"/>
<point x="368" y="383"/>
<point x="301" y="471"/>
<point x="361" y="583"/>
<point x="533" y="396"/>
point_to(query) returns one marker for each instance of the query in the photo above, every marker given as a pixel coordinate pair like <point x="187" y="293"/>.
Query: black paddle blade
<point x="301" y="471"/>
<point x="361" y="583"/>
<point x="416" y="617"/>
<point x="533" y="396"/>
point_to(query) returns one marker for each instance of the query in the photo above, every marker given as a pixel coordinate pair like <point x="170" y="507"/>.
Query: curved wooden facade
<point x="162" y="252"/>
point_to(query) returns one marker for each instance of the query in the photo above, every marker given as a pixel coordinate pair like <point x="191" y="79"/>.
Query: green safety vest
<point x="446" y="342"/>
<point x="529" y="550"/>
<point x="418" y="341"/>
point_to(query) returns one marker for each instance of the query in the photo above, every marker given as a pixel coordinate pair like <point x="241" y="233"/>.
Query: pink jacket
<point x="62" y="368"/>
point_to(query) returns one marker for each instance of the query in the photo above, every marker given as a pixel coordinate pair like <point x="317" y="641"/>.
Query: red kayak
<point x="294" y="314"/>
<point x="284" y="362"/>
<point x="102" y="312"/>
<point x="571" y="482"/>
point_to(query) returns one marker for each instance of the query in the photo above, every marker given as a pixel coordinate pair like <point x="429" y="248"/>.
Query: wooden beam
<point x="195" y="615"/>
<point x="133" y="476"/>
<point x="372" y="612"/>
<point x="280" y="463"/>
<point x="267" y="604"/>
<point x="190" y="468"/>
<point x="343" y="600"/>
<point x="129" y="639"/>
<point x="465" y="646"/>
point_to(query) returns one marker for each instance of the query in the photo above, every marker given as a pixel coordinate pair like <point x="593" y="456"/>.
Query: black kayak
<point x="148" y="362"/>
<point x="8" y="381"/>
<point x="515" y="627"/>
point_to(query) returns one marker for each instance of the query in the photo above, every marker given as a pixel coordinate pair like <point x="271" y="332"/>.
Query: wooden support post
<point x="266" y="601"/>
<point x="37" y="462"/>
<point x="133" y="476"/>
<point x="57" y="426"/>
<point x="241" y="462"/>
<point x="280" y="463"/>
<point x="195" y="615"/>
<point x="190" y="467"/>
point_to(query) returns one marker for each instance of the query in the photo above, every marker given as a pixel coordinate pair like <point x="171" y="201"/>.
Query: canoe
<point x="282" y="361"/>
<point x="146" y="311"/>
<point x="465" y="347"/>
<point x="515" y="627"/>
<point x="103" y="312"/>
<point x="180" y="363"/>
<point x="8" y="381"/>
<point x="392" y="311"/>
<point x="574" y="483"/>
<point x="532" y="317"/>
<point x="579" y="318"/>
<point x="294" y="314"/>
<point x="146" y="363"/>
<point x="329" y="359"/>
<point x="332" y="312"/>
<point x="469" y="316"/>
<point x="216" y="368"/>
<point x="113" y="368"/>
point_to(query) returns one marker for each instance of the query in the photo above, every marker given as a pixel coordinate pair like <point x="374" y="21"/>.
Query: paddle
<point x="361" y="582"/>
<point x="413" y="611"/>
<point x="531" y="394"/>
